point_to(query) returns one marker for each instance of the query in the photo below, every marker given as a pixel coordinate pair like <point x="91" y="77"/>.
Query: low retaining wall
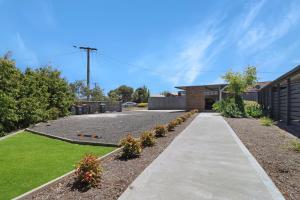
<point x="167" y="103"/>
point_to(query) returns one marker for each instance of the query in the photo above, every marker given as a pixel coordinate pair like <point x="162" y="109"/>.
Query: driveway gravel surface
<point x="106" y="128"/>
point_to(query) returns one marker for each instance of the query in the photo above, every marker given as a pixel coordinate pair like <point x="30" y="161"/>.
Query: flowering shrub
<point x="171" y="125"/>
<point x="131" y="147"/>
<point x="88" y="171"/>
<point x="160" y="131"/>
<point x="147" y="139"/>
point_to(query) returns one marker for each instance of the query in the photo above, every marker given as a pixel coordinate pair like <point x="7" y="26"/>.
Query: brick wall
<point x="195" y="98"/>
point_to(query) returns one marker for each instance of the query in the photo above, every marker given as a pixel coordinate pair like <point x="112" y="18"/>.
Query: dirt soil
<point x="118" y="174"/>
<point x="271" y="146"/>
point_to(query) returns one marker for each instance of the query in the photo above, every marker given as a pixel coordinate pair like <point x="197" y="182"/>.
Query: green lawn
<point x="28" y="160"/>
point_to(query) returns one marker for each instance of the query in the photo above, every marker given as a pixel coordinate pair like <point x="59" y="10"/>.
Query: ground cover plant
<point x="295" y="144"/>
<point x="28" y="160"/>
<point x="266" y="121"/>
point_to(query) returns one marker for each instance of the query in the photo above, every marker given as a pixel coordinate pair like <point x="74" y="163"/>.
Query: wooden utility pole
<point x="88" y="50"/>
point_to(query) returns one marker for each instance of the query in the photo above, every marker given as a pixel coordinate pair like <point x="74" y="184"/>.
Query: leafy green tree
<point x="240" y="82"/>
<point x="32" y="96"/>
<point x="79" y="89"/>
<point x="141" y="95"/>
<point x="237" y="84"/>
<point x="122" y="93"/>
<point x="10" y="86"/>
<point x="166" y="93"/>
<point x="97" y="94"/>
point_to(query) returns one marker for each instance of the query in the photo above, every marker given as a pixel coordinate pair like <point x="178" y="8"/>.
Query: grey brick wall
<point x="167" y="103"/>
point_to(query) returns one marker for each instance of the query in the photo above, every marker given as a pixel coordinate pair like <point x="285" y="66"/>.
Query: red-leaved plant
<point x="88" y="171"/>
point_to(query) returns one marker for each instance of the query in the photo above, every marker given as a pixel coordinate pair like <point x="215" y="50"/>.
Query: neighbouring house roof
<point x="290" y="73"/>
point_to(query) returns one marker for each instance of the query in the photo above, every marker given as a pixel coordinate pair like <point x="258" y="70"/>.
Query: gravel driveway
<point x="106" y="128"/>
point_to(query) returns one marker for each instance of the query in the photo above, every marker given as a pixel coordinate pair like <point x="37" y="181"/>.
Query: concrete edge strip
<point x="274" y="191"/>
<point x="60" y="177"/>
<point x="71" y="141"/>
<point x="12" y="134"/>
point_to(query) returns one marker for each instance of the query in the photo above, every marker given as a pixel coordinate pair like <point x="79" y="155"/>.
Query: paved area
<point x="206" y="161"/>
<point x="108" y="128"/>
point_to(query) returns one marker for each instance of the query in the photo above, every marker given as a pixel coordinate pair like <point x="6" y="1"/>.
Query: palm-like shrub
<point x="131" y="147"/>
<point x="88" y="171"/>
<point x="147" y="139"/>
<point x="160" y="131"/>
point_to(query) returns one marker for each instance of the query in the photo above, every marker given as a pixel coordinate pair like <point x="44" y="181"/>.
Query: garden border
<point x="60" y="177"/>
<point x="12" y="134"/>
<point x="266" y="179"/>
<point x="72" y="141"/>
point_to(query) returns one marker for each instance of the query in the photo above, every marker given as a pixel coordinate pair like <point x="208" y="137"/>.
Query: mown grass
<point x="28" y="161"/>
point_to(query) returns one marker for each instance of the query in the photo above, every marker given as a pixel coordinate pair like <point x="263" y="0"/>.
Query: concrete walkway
<point x="206" y="161"/>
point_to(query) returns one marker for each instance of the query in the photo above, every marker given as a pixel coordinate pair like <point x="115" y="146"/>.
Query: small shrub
<point x="253" y="109"/>
<point x="266" y="121"/>
<point x="131" y="147"/>
<point x="142" y="105"/>
<point x="147" y="139"/>
<point x="88" y="171"/>
<point x="160" y="131"/>
<point x="171" y="125"/>
<point x="179" y="120"/>
<point x="295" y="145"/>
<point x="183" y="117"/>
<point x="217" y="106"/>
<point x="230" y="107"/>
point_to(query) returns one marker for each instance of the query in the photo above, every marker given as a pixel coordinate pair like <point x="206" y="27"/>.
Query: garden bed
<point x="118" y="174"/>
<point x="271" y="147"/>
<point x="28" y="161"/>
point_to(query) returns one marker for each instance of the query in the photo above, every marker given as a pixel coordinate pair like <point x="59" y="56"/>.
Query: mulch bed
<point x="271" y="147"/>
<point x="118" y="174"/>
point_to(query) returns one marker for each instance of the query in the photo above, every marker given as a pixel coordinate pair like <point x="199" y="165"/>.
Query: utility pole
<point x="88" y="50"/>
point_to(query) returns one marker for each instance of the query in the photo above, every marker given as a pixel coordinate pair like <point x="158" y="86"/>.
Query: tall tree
<point x="122" y="93"/>
<point x="237" y="84"/>
<point x="97" y="94"/>
<point x="141" y="95"/>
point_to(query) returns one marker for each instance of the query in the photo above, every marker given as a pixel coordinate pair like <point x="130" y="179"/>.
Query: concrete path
<point x="206" y="161"/>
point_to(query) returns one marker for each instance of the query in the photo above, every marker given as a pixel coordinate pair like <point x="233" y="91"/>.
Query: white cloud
<point x="262" y="35"/>
<point x="23" y="52"/>
<point x="254" y="10"/>
<point x="189" y="53"/>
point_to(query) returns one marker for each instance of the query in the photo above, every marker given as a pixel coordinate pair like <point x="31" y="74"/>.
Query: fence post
<point x="272" y="102"/>
<point x="288" y="106"/>
<point x="278" y="102"/>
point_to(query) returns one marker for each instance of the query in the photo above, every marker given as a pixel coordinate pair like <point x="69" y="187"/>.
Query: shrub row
<point x="89" y="171"/>
<point x="236" y="107"/>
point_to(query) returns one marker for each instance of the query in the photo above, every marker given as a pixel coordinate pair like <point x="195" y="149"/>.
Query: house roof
<point x="284" y="76"/>
<point x="212" y="86"/>
<point x="255" y="88"/>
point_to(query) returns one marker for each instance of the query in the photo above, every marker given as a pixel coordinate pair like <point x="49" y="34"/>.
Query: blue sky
<point x="160" y="44"/>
